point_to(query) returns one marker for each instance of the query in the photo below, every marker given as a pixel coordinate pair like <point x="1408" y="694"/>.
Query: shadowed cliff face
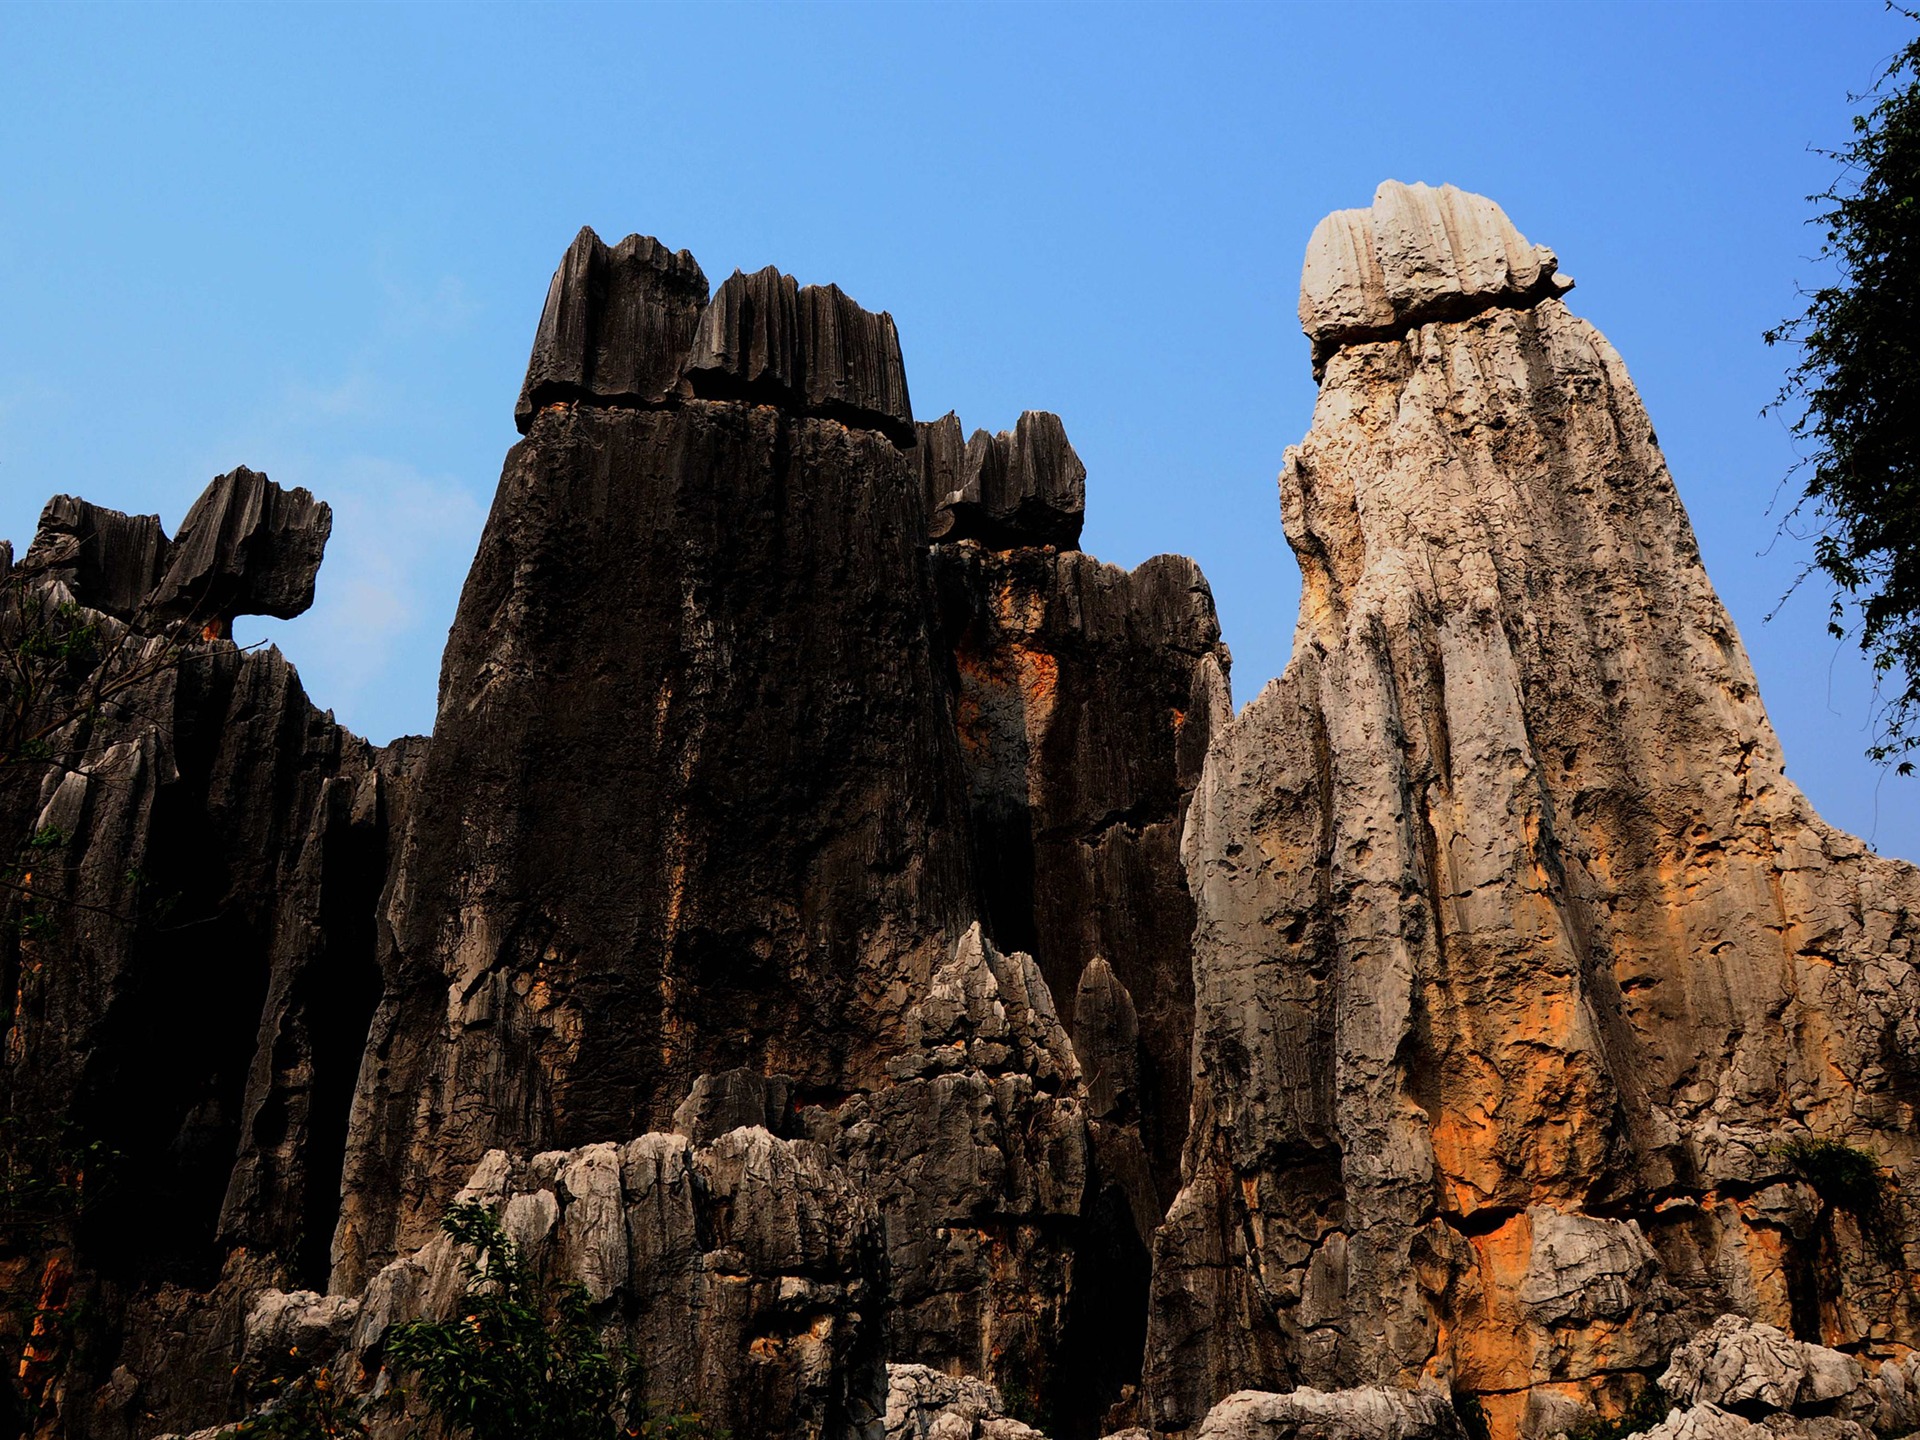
<point x="708" y="794"/>
<point x="844" y="927"/>
<point x="1518" y="958"/>
<point x="195" y="859"/>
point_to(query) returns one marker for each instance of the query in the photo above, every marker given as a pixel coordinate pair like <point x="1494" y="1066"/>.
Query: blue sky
<point x="315" y="240"/>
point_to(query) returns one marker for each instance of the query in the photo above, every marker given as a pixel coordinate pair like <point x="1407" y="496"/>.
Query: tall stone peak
<point x="1418" y="253"/>
<point x="1522" y="971"/>
<point x="845" y="928"/>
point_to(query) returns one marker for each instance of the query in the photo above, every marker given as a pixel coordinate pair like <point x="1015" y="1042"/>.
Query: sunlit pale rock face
<point x="1417" y="254"/>
<point x="1518" y="958"/>
<point x="843" y="927"/>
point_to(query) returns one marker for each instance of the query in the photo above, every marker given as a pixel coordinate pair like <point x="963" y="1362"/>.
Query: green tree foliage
<point x="1845" y="1177"/>
<point x="1848" y="1179"/>
<point x="1648" y="1409"/>
<point x="302" y="1403"/>
<point x="49" y="1174"/>
<point x="1856" y="394"/>
<point x="516" y="1363"/>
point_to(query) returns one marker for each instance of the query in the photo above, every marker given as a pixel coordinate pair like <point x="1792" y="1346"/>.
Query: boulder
<point x="1742" y="1364"/>
<point x="1416" y="255"/>
<point x="1368" y="1413"/>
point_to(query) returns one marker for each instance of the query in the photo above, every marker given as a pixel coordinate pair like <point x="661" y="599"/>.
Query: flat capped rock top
<point x="1020" y="487"/>
<point x="768" y="338"/>
<point x="1416" y="254"/>
<point x="617" y="325"/>
<point x="633" y="324"/>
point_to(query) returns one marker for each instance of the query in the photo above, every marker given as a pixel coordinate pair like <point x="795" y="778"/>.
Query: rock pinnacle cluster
<point x="844" y="927"/>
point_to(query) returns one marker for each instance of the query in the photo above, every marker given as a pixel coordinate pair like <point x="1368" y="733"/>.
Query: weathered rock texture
<point x="1416" y="255"/>
<point x="747" y="1270"/>
<point x="698" y="841"/>
<point x="1375" y="1413"/>
<point x="1517" y="957"/>
<point x="188" y="951"/>
<point x="928" y="1404"/>
<point x="1086" y="696"/>
<point x="1743" y="1380"/>
<point x="1014" y="1037"/>
<point x="1024" y="487"/>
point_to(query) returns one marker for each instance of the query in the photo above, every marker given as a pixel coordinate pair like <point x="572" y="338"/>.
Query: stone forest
<point x="844" y="930"/>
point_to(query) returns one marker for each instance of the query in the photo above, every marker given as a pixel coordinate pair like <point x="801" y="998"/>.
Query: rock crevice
<point x="1473" y="1030"/>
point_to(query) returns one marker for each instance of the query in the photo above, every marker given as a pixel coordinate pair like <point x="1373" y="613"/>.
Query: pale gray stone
<point x="1368" y="1413"/>
<point x="1417" y="254"/>
<point x="1738" y="1361"/>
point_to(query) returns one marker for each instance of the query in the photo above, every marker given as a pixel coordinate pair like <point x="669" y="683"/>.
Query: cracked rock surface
<point x="1445" y="1047"/>
<point x="1518" y="957"/>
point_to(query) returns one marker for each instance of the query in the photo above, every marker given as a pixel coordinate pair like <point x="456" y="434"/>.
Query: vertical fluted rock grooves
<point x="701" y="816"/>
<point x="1518" y="959"/>
<point x="693" y="802"/>
<point x="193" y="859"/>
<point x="1086" y="697"/>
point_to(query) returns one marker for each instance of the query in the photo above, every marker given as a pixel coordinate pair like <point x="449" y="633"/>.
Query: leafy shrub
<point x="1648" y="1409"/>
<point x="49" y="1173"/>
<point x="301" y="1403"/>
<point x="507" y="1369"/>
<point x="515" y="1363"/>
<point x="1845" y="1177"/>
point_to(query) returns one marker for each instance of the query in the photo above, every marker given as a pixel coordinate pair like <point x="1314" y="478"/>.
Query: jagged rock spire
<point x="1518" y="958"/>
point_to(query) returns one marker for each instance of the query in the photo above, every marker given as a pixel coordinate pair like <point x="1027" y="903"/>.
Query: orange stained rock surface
<point x="1524" y="1103"/>
<point x="41" y="1353"/>
<point x="1039" y="681"/>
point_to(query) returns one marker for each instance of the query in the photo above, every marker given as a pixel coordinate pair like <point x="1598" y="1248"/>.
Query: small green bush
<point x="301" y="1403"/>
<point x="514" y="1363"/>
<point x="1648" y="1409"/>
<point x="1845" y="1177"/>
<point x="507" y="1369"/>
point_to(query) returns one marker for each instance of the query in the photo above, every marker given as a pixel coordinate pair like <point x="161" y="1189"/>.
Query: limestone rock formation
<point x="247" y="547"/>
<point x="617" y="326"/>
<point x="746" y="1270"/>
<point x="1744" y="1380"/>
<point x="928" y="1404"/>
<point x="767" y="338"/>
<point x="1474" y="1031"/>
<point x="108" y="561"/>
<point x="1518" y="959"/>
<point x="763" y="672"/>
<point x="1737" y="1362"/>
<point x="1086" y="697"/>
<point x="187" y="949"/>
<point x="1018" y="488"/>
<point x="1415" y="255"/>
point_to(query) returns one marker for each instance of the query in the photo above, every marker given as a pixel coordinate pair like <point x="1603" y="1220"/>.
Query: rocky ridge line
<point x="1452" y="1087"/>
